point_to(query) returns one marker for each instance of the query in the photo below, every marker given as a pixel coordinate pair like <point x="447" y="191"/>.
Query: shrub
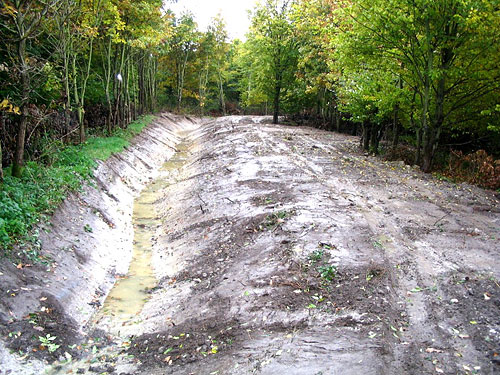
<point x="477" y="168"/>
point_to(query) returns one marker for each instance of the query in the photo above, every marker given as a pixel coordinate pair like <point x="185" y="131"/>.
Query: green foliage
<point x="268" y="59"/>
<point x="48" y="342"/>
<point x="435" y="55"/>
<point x="27" y="201"/>
<point x="327" y="272"/>
<point x="316" y="255"/>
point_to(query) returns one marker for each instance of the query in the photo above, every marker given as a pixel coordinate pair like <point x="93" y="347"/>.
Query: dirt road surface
<point x="284" y="250"/>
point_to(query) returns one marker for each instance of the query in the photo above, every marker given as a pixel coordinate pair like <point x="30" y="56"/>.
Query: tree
<point x="111" y="28"/>
<point x="21" y="19"/>
<point x="181" y="47"/>
<point x="219" y="56"/>
<point x="316" y="26"/>
<point x="442" y="50"/>
<point x="272" y="40"/>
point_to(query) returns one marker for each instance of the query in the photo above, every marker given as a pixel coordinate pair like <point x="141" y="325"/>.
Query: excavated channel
<point x="130" y="293"/>
<point x="248" y="225"/>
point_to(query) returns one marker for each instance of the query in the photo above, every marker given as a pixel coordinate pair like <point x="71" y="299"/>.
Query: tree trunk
<point x="365" y="138"/>
<point x="374" y="138"/>
<point x="180" y="80"/>
<point x="431" y="147"/>
<point x="396" y="126"/>
<point x="135" y="84"/>
<point x="128" y="105"/>
<point x="428" y="149"/>
<point x="67" y="94"/>
<point x="140" y="83"/>
<point x="23" y="121"/>
<point x="119" y="90"/>
<point x="107" y="83"/>
<point x="202" y="86"/>
<point x="154" y="70"/>
<point x="222" y="100"/>
<point x="2" y="126"/>
<point x="337" y="120"/>
<point x="396" y="130"/>
<point x="427" y="136"/>
<point x="418" y="154"/>
<point x="277" y="94"/>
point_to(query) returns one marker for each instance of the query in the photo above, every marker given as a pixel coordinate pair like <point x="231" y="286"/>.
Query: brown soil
<point x="284" y="250"/>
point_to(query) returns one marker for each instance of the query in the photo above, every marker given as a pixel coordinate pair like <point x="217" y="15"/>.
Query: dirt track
<point x="283" y="250"/>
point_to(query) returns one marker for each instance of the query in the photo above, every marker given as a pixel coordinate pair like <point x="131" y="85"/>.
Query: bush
<point x="477" y="168"/>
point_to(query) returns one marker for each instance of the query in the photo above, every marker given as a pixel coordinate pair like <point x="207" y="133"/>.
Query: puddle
<point x="130" y="293"/>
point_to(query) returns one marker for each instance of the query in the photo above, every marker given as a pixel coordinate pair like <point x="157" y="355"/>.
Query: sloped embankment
<point x="88" y="243"/>
<point x="285" y="251"/>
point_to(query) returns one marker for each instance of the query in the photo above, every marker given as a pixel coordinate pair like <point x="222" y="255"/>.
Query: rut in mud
<point x="283" y="250"/>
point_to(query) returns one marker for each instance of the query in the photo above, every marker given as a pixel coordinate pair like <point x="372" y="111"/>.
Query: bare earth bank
<point x="283" y="250"/>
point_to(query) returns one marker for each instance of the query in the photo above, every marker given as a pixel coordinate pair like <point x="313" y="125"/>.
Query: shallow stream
<point x="131" y="292"/>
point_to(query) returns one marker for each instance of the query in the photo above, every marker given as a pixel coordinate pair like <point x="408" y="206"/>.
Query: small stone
<point x="98" y="369"/>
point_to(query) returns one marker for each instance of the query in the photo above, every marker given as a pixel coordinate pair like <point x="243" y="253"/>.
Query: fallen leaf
<point x="433" y="350"/>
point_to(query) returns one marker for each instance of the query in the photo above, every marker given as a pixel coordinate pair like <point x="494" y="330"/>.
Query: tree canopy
<point x="418" y="70"/>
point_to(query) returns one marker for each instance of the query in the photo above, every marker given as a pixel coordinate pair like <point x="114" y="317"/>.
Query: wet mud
<point x="284" y="250"/>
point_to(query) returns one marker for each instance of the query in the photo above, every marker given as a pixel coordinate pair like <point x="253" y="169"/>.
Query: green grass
<point x="31" y="199"/>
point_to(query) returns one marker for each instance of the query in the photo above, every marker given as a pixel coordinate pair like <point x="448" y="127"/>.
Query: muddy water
<point x="130" y="293"/>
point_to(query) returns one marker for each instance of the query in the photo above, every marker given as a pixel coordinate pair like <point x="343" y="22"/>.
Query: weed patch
<point x="27" y="201"/>
<point x="274" y="220"/>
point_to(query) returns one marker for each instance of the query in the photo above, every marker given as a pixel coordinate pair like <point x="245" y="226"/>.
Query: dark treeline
<point x="70" y="66"/>
<point x="423" y="73"/>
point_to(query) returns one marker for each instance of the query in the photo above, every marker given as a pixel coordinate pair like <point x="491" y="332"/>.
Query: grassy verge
<point x="33" y="198"/>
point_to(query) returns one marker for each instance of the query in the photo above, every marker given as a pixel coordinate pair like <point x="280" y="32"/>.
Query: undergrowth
<point x="477" y="168"/>
<point x="31" y="199"/>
